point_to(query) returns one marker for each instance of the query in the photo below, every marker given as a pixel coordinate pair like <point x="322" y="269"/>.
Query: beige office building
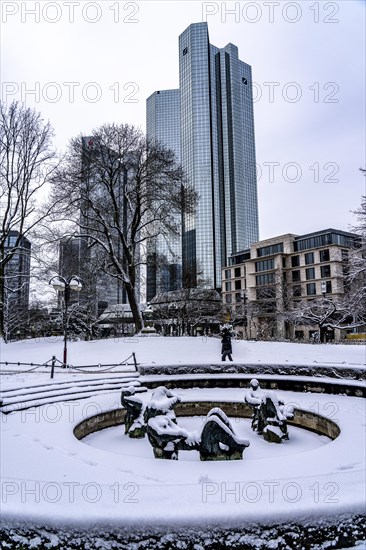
<point x="273" y="275"/>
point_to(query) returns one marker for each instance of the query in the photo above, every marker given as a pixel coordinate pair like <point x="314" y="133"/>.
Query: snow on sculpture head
<point x="270" y="395"/>
<point x="254" y="383"/>
<point x="129" y="390"/>
<point x="160" y="392"/>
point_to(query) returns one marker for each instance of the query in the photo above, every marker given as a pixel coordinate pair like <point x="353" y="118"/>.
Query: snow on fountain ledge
<point x="47" y="473"/>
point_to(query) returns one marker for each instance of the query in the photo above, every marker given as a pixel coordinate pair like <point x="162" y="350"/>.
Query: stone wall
<point x="100" y="421"/>
<point x="303" y="419"/>
<point x="280" y="383"/>
<point x="316" y="371"/>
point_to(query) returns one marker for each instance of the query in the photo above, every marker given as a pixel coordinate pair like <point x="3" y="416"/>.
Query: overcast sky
<point x="83" y="63"/>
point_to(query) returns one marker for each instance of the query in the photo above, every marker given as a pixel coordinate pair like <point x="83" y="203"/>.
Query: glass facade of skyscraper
<point x="217" y="148"/>
<point x="164" y="267"/>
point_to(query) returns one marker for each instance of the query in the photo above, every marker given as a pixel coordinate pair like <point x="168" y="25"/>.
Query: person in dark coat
<point x="226" y="349"/>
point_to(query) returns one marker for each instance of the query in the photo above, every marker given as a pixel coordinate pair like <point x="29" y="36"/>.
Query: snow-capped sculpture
<point x="270" y="414"/>
<point x="134" y="405"/>
<point x="273" y="416"/>
<point x="161" y="403"/>
<point x="138" y="412"/>
<point x="253" y="397"/>
<point x="218" y="440"/>
<point x="165" y="436"/>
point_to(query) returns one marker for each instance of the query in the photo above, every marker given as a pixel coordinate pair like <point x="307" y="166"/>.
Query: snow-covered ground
<point x="47" y="474"/>
<point x="160" y="350"/>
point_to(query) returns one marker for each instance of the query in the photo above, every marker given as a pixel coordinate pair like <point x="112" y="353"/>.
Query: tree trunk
<point x="3" y="332"/>
<point x="136" y="313"/>
<point x="322" y="334"/>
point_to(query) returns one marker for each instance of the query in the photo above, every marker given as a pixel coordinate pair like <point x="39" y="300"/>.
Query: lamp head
<point x="58" y="283"/>
<point x="75" y="283"/>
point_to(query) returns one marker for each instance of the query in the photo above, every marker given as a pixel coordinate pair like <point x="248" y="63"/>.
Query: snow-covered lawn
<point x="160" y="350"/>
<point x="48" y="474"/>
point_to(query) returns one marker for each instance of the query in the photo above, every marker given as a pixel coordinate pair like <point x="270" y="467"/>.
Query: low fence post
<point x="53" y="365"/>
<point x="134" y="360"/>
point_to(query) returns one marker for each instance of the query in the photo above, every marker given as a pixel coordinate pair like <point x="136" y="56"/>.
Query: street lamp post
<point x="60" y="284"/>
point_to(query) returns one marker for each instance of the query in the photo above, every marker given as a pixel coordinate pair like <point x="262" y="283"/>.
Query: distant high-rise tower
<point x="217" y="152"/>
<point x="14" y="285"/>
<point x="80" y="255"/>
<point x="164" y="268"/>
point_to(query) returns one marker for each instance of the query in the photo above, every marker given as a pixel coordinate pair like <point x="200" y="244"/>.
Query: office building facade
<point x="81" y="256"/>
<point x="15" y="291"/>
<point x="164" y="265"/>
<point x="275" y="275"/>
<point x="217" y="152"/>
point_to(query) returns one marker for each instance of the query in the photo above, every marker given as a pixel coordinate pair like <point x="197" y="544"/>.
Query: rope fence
<point x="53" y="362"/>
<point x="109" y="366"/>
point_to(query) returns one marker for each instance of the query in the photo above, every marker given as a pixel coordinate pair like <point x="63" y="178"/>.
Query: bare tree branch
<point x="121" y="191"/>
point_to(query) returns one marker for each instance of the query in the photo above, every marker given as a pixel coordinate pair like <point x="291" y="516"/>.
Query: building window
<point x="228" y="298"/>
<point x="325" y="271"/>
<point x="284" y="262"/>
<point x="297" y="290"/>
<point x="309" y="258"/>
<point x="310" y="273"/>
<point x="266" y="279"/>
<point x="266" y="293"/>
<point x="311" y="289"/>
<point x="268" y="250"/>
<point x="269" y="306"/>
<point x="326" y="287"/>
<point x="295" y="261"/>
<point x="264" y="265"/>
<point x="345" y="255"/>
<point x="238" y="297"/>
<point x="324" y="255"/>
<point x="237" y="272"/>
<point x="227" y="273"/>
<point x="185" y="51"/>
<point x="296" y="276"/>
<point x="228" y="286"/>
<point x="237" y="285"/>
<point x="325" y="239"/>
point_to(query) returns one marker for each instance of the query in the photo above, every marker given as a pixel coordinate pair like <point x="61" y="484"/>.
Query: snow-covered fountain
<point x="204" y="428"/>
<point x="302" y="473"/>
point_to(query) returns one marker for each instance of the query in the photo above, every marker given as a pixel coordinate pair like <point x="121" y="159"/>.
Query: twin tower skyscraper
<point x="209" y="124"/>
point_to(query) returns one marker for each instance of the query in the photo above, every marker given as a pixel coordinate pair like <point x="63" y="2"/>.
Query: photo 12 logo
<point x="269" y="492"/>
<point x="70" y="92"/>
<point x="294" y="172"/>
<point x="52" y="492"/>
<point x="70" y="12"/>
<point x="293" y="92"/>
<point x="271" y="12"/>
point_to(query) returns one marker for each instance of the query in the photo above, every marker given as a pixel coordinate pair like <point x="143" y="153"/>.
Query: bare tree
<point x="356" y="268"/>
<point x="27" y="160"/>
<point x="357" y="259"/>
<point x="328" y="314"/>
<point x="347" y="311"/>
<point x="187" y="308"/>
<point x="121" y="190"/>
<point x="268" y="313"/>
